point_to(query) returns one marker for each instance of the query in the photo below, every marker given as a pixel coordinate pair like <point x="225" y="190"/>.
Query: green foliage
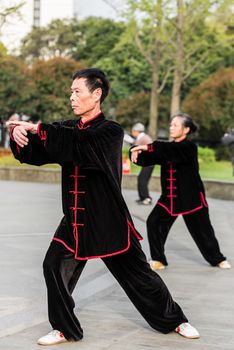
<point x="59" y="38"/>
<point x="222" y="152"/>
<point x="15" y="86"/>
<point x="98" y="36"/>
<point x="41" y="91"/>
<point x="88" y="40"/>
<point x="135" y="109"/>
<point x="3" y="49"/>
<point x="53" y="80"/>
<point x="211" y="104"/>
<point x="206" y="155"/>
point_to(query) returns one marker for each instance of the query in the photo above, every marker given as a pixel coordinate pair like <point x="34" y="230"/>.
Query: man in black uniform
<point x="96" y="222"/>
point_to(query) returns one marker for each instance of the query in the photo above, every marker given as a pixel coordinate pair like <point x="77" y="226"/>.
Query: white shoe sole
<point x="189" y="337"/>
<point x="54" y="343"/>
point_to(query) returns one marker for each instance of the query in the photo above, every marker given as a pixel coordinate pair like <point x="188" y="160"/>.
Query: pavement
<point x="29" y="214"/>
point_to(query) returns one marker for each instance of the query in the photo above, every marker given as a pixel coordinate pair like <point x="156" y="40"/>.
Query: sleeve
<point x="34" y="153"/>
<point x="87" y="148"/>
<point x="160" y="152"/>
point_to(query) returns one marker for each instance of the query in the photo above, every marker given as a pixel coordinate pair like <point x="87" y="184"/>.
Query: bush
<point x="222" y="152"/>
<point x="206" y="155"/>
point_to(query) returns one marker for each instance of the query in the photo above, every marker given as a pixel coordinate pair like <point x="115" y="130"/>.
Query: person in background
<point x="228" y="140"/>
<point x="183" y="193"/>
<point x="96" y="221"/>
<point x="141" y="138"/>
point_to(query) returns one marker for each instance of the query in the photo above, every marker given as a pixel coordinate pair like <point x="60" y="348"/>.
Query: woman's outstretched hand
<point x="136" y="151"/>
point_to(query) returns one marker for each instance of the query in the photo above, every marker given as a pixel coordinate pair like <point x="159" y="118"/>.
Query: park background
<point x="160" y="56"/>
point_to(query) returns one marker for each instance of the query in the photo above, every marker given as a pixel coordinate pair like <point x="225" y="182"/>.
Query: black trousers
<point x="143" y="286"/>
<point x="198" y="223"/>
<point x="143" y="181"/>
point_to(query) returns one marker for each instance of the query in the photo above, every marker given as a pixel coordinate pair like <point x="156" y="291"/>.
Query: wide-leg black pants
<point x="143" y="181"/>
<point x="143" y="286"/>
<point x="198" y="223"/>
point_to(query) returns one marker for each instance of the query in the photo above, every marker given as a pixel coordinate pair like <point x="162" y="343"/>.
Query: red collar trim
<point x="86" y="122"/>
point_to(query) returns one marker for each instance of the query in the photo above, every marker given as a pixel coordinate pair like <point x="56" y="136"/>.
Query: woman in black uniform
<point x="182" y="193"/>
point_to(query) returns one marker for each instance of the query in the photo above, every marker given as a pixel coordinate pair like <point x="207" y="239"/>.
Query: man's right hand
<point x="19" y="135"/>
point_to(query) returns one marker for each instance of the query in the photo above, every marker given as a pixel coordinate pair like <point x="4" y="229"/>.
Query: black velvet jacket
<point x="182" y="189"/>
<point x="96" y="220"/>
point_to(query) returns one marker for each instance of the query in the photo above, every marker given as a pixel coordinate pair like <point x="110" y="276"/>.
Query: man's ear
<point x="98" y="94"/>
<point x="186" y="130"/>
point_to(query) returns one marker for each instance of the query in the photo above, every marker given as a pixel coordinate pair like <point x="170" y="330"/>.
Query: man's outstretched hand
<point x="21" y="130"/>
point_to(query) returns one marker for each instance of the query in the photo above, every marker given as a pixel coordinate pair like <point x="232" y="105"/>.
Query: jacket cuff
<point x="150" y="147"/>
<point x="11" y="133"/>
<point x="41" y="133"/>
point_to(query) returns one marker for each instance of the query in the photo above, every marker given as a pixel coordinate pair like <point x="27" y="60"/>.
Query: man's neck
<point x="90" y="116"/>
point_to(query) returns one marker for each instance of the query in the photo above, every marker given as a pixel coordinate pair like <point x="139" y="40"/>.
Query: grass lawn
<point x="215" y="170"/>
<point x="11" y="161"/>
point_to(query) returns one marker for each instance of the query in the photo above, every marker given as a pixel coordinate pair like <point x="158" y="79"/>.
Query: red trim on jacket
<point x="203" y="204"/>
<point x="130" y="228"/>
<point x="150" y="148"/>
<point x="82" y="125"/>
<point x="42" y="134"/>
<point x="18" y="148"/>
<point x="65" y="245"/>
<point x="11" y="133"/>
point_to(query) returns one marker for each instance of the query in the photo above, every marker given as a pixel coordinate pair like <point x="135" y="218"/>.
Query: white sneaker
<point x="224" y="265"/>
<point x="187" y="331"/>
<point x="52" y="338"/>
<point x="156" y="265"/>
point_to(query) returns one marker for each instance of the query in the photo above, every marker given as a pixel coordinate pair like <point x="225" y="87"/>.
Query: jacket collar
<point x="91" y="122"/>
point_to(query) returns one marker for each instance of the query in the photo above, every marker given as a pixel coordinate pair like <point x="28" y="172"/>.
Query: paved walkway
<point x="29" y="214"/>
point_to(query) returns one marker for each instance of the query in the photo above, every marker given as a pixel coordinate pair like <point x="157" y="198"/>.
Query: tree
<point x="7" y="12"/>
<point x="15" y="86"/>
<point x="135" y="108"/>
<point x="193" y="47"/>
<point x="148" y="24"/>
<point x="211" y="104"/>
<point x="59" y="38"/>
<point x="98" y="36"/>
<point x="87" y="40"/>
<point x="52" y="80"/>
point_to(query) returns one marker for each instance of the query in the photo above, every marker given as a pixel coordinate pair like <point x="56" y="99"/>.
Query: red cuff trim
<point x="150" y="148"/>
<point x="11" y="133"/>
<point x="41" y="133"/>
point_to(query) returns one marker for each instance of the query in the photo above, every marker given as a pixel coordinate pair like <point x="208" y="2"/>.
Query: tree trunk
<point x="176" y="89"/>
<point x="153" y="118"/>
<point x="179" y="60"/>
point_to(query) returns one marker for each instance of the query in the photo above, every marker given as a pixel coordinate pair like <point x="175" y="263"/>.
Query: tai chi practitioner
<point x="96" y="221"/>
<point x="182" y="194"/>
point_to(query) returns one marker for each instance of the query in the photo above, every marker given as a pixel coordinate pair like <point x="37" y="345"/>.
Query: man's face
<point x="82" y="100"/>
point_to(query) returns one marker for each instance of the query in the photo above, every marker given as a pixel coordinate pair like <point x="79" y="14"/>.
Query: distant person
<point x="141" y="138"/>
<point x="96" y="221"/>
<point x="228" y="139"/>
<point x="183" y="194"/>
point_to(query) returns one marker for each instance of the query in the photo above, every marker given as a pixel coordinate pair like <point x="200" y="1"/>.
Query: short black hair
<point x="187" y="122"/>
<point x="95" y="78"/>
